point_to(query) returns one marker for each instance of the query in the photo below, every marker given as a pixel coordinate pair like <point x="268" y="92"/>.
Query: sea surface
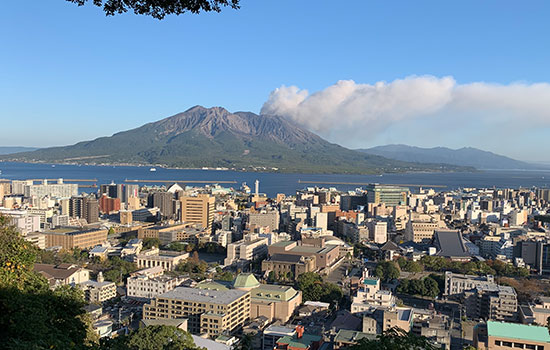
<point x="273" y="183"/>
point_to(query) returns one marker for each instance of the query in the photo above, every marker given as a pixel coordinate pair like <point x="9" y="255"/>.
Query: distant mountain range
<point x="214" y="137"/>
<point x="467" y="156"/>
<point x="11" y="150"/>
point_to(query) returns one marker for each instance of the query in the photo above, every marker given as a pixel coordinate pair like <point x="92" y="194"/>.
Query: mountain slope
<point x="214" y="137"/>
<point x="466" y="156"/>
<point x="11" y="150"/>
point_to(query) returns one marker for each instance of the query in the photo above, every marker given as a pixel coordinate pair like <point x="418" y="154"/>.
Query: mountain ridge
<point x="465" y="156"/>
<point x="15" y="149"/>
<point x="215" y="137"/>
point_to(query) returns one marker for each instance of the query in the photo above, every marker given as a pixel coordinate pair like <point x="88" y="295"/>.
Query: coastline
<point x="257" y="169"/>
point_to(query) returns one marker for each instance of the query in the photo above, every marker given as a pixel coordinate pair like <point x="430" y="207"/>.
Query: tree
<point x="31" y="315"/>
<point x="159" y="9"/>
<point x="149" y="243"/>
<point x="425" y="287"/>
<point x="246" y="342"/>
<point x="387" y="271"/>
<point x="313" y="288"/>
<point x="394" y="339"/>
<point x="177" y="246"/>
<point x="17" y="258"/>
<point x="431" y="287"/>
<point x="152" y="338"/>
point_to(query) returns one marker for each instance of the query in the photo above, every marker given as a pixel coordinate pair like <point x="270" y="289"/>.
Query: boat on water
<point x="153" y="169"/>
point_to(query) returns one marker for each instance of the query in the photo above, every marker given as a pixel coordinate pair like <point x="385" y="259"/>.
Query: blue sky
<point x="70" y="73"/>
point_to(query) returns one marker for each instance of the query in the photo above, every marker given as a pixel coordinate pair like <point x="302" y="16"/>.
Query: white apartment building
<point x="247" y="249"/>
<point x="223" y="238"/>
<point x="168" y="260"/>
<point x="18" y="186"/>
<point x="149" y="283"/>
<point x="378" y="231"/>
<point x="22" y="220"/>
<point x="98" y="291"/>
<point x="369" y="295"/>
<point x="58" y="190"/>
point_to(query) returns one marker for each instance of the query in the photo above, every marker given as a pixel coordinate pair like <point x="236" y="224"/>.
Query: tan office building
<point x="155" y="231"/>
<point x="421" y="227"/>
<point x="289" y="267"/>
<point x="325" y="255"/>
<point x="209" y="312"/>
<point x="275" y="302"/>
<point x="198" y="210"/>
<point x="69" y="239"/>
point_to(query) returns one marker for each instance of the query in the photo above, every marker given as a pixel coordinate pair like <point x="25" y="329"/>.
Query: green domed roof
<point x="246" y="280"/>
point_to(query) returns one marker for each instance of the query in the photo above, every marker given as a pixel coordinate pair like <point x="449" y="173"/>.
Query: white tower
<point x="257" y="183"/>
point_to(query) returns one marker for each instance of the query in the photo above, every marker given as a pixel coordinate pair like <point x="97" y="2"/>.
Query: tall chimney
<point x="299" y="331"/>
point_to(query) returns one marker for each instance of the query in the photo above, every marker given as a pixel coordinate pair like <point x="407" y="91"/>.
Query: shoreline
<point x="259" y="169"/>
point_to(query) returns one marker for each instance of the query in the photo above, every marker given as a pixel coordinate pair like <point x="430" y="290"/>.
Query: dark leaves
<point x="160" y="8"/>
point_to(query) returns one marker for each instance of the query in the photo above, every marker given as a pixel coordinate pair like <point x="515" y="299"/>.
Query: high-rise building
<point x="387" y="194"/>
<point x="112" y="190"/>
<point x="85" y="208"/>
<point x="198" y="210"/>
<point x="18" y="186"/>
<point x="108" y="205"/>
<point x="164" y="201"/>
<point x="131" y="191"/>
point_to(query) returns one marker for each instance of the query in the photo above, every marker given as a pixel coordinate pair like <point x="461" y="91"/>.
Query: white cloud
<point x="349" y="106"/>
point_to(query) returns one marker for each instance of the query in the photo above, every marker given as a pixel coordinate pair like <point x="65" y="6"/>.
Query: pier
<point x="365" y="184"/>
<point x="183" y="181"/>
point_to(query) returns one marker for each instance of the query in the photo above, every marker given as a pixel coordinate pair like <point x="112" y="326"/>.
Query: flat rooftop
<point x="518" y="331"/>
<point x="204" y="296"/>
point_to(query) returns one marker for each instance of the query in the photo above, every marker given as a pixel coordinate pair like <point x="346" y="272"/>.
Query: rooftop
<point x="286" y="258"/>
<point x="60" y="272"/>
<point x="204" y="296"/>
<point x="370" y="281"/>
<point x="450" y="244"/>
<point x="300" y="343"/>
<point x="351" y="337"/>
<point x="246" y="280"/>
<point x="518" y="331"/>
<point x="212" y="285"/>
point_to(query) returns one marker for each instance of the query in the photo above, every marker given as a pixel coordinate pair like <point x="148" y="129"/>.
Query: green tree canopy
<point x="160" y="8"/>
<point x="31" y="315"/>
<point x="387" y="271"/>
<point x="149" y="243"/>
<point x="152" y="338"/>
<point x="425" y="287"/>
<point x="394" y="339"/>
<point x="313" y="288"/>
